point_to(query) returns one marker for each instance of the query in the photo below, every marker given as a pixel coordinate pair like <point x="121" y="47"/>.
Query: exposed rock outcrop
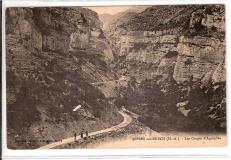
<point x="195" y="49"/>
<point x="198" y="56"/>
<point x="183" y="43"/>
<point x="52" y="57"/>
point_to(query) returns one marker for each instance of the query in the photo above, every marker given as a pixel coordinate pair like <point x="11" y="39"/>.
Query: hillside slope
<point x="51" y="62"/>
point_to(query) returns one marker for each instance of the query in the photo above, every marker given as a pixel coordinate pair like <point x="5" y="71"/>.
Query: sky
<point x="109" y="10"/>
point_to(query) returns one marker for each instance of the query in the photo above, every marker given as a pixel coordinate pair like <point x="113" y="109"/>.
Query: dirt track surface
<point x="127" y="120"/>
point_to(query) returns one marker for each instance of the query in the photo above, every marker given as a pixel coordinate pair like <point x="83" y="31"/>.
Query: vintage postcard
<point x="128" y="76"/>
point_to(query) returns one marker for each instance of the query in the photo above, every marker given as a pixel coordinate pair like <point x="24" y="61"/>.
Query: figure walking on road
<point x="81" y="134"/>
<point x="86" y="133"/>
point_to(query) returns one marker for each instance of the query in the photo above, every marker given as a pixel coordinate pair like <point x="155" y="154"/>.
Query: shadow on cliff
<point x="205" y="106"/>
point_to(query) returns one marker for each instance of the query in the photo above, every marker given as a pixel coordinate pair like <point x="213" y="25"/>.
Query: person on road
<point x="86" y="133"/>
<point x="75" y="136"/>
<point x="81" y="134"/>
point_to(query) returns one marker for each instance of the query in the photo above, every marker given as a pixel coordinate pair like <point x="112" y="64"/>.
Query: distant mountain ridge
<point x="109" y="19"/>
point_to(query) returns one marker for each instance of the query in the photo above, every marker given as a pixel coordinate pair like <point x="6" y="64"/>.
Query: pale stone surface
<point x="25" y="28"/>
<point x="168" y="39"/>
<point x="200" y="58"/>
<point x="80" y="38"/>
<point x="219" y="74"/>
<point x="95" y="33"/>
<point x="55" y="42"/>
<point x="197" y="60"/>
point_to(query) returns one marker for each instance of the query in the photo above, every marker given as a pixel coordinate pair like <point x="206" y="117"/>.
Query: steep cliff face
<point x="181" y="46"/>
<point x="52" y="57"/>
<point x="198" y="56"/>
<point x="166" y="48"/>
<point x="154" y="52"/>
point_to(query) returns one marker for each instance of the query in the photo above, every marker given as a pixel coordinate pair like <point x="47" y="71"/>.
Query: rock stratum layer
<point x="195" y="47"/>
<point x="181" y="46"/>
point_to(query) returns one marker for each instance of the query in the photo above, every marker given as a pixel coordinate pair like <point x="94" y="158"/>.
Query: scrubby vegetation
<point x="156" y="103"/>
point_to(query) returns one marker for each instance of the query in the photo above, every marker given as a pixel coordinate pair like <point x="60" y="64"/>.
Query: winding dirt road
<point x="127" y="120"/>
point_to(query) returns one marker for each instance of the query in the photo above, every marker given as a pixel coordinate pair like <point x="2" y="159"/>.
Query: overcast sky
<point x="109" y="10"/>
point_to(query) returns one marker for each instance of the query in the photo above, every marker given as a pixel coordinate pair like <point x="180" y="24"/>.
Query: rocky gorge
<point x="177" y="54"/>
<point x="164" y="63"/>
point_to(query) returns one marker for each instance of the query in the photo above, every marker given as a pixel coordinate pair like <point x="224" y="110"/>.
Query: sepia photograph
<point x="131" y="76"/>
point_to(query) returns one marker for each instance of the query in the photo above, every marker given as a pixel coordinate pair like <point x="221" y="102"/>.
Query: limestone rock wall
<point x="51" y="60"/>
<point x="182" y="50"/>
<point x="198" y="56"/>
<point x="152" y="50"/>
